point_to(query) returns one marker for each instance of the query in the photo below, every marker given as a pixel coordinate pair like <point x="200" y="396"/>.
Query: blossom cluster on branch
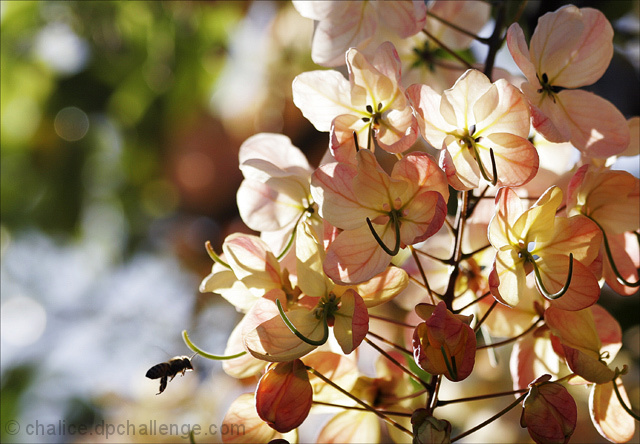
<point x="436" y="200"/>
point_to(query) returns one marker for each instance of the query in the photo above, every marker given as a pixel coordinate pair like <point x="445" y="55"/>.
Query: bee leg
<point x="163" y="384"/>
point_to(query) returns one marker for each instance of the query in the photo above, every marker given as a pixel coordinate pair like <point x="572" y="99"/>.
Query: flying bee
<point x="164" y="370"/>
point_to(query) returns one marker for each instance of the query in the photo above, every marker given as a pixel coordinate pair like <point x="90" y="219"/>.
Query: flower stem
<point x="446" y="48"/>
<point x="353" y="407"/>
<point x="391" y="343"/>
<point x="515" y="338"/>
<point x="480" y="397"/>
<point x="359" y="401"/>
<point x="205" y="354"/>
<point x="490" y="420"/>
<point x="459" y="29"/>
<point x="392" y="321"/>
<point x="396" y="362"/>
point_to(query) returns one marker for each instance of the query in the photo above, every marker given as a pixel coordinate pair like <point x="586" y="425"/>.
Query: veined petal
<point x="423" y="218"/>
<point x="583" y="291"/>
<point x="508" y="279"/>
<point x="342" y="145"/>
<point x="252" y="262"/>
<point x="351" y="426"/>
<point x="351" y="322"/>
<point x="243" y="411"/>
<point x="275" y="149"/>
<point x="520" y="52"/>
<point x="601" y="134"/>
<point x="352" y="26"/>
<point x="267" y="337"/>
<point x="380" y="288"/>
<point x="537" y="223"/>
<point x="245" y="366"/>
<point x="371" y="184"/>
<point x="457" y="102"/>
<point x="575" y="329"/>
<point x="322" y="96"/>
<point x="309" y="258"/>
<point x="426" y="103"/>
<point x="501" y="227"/>
<point x="502" y="109"/>
<point x="405" y="18"/>
<point x="398" y="130"/>
<point x="608" y="415"/>
<point x="270" y="206"/>
<point x="460" y="167"/>
<point x="379" y="88"/>
<point x="341" y="369"/>
<point x="516" y="158"/>
<point x="332" y="189"/>
<point x="421" y="170"/>
<point x="224" y="282"/>
<point x="573" y="46"/>
<point x="577" y="235"/>
<point x="355" y="256"/>
<point x="532" y="355"/>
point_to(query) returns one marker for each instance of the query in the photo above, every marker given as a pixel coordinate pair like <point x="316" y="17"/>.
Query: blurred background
<point x="120" y="128"/>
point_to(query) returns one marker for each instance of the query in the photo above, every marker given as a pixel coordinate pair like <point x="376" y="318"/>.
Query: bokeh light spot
<point x="71" y="123"/>
<point x="23" y="321"/>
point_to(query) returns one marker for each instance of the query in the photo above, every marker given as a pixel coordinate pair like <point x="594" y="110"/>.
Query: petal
<point x="537" y="223"/>
<point x="382" y="287"/>
<point x="626" y="253"/>
<point x="532" y="355"/>
<point x="309" y="257"/>
<point x="583" y="291"/>
<point x="322" y="96"/>
<point x="460" y="167"/>
<point x="224" y="282"/>
<point x="276" y="149"/>
<point x="252" y="262"/>
<point x="608" y="415"/>
<point x="341" y="369"/>
<point x="426" y="103"/>
<point x="352" y="24"/>
<point x="421" y="170"/>
<point x="267" y="337"/>
<point x="379" y="88"/>
<point x="351" y="323"/>
<point x="520" y="52"/>
<point x="508" y="279"/>
<point x="271" y="206"/>
<point x="242" y="412"/>
<point x="423" y="218"/>
<point x="405" y="18"/>
<point x="516" y="158"/>
<point x="351" y="426"/>
<point x="577" y="235"/>
<point x="502" y="109"/>
<point x="508" y="210"/>
<point x="574" y="328"/>
<point x="332" y="189"/>
<point x="597" y="134"/>
<point x="457" y="102"/>
<point x="245" y="366"/>
<point x="573" y="46"/>
<point x="343" y="145"/>
<point x="355" y="256"/>
<point x="473" y="14"/>
<point x="397" y="130"/>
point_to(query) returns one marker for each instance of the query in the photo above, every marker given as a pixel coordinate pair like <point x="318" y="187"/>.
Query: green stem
<point x="486" y="315"/>
<point x="513" y="339"/>
<point x="446" y="48"/>
<point x="621" y="401"/>
<point x="459" y="29"/>
<point x="205" y="354"/>
<point x="612" y="263"/>
<point x="396" y="223"/>
<point x="540" y="285"/>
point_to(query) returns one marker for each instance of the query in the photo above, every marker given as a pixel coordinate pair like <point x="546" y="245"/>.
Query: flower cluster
<point x="429" y="201"/>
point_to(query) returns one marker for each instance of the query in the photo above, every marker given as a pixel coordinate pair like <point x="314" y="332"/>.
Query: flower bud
<point x="284" y="395"/>
<point x="429" y="430"/>
<point x="549" y="413"/>
<point x="445" y="345"/>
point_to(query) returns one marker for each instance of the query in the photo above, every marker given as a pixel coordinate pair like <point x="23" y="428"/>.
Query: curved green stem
<point x="214" y="256"/>
<point x="295" y="331"/>
<point x="205" y="354"/>
<point x="607" y="250"/>
<point x="540" y="284"/>
<point x="451" y="365"/>
<point x="396" y="224"/>
<point x="293" y="235"/>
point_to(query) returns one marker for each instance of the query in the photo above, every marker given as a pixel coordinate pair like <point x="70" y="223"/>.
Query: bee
<point x="164" y="370"/>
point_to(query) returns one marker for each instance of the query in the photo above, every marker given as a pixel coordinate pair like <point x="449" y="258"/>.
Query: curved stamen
<point x="451" y="366"/>
<point x="205" y="354"/>
<point x="494" y="168"/>
<point x="607" y="250"/>
<point x="300" y="336"/>
<point x="355" y="140"/>
<point x="541" y="287"/>
<point x="214" y="256"/>
<point x="396" y="223"/>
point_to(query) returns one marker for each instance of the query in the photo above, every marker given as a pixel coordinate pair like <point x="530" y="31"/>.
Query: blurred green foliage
<point x="138" y="70"/>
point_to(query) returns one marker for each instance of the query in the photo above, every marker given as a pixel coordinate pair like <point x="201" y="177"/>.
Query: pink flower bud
<point x="445" y="345"/>
<point x="284" y="395"/>
<point x="549" y="413"/>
